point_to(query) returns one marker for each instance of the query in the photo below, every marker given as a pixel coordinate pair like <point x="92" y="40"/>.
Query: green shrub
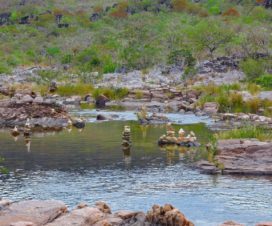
<point x="182" y="57"/>
<point x="252" y="68"/>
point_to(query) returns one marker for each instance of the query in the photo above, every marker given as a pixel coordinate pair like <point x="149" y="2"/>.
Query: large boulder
<point x="34" y="211"/>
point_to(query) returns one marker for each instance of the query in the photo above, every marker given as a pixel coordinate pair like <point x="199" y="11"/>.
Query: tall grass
<point x="79" y="89"/>
<point x="246" y="132"/>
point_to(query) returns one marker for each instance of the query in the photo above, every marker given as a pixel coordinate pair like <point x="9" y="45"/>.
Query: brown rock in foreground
<point x="240" y="156"/>
<point x="34" y="211"/>
<point x="54" y="213"/>
<point x="167" y="215"/>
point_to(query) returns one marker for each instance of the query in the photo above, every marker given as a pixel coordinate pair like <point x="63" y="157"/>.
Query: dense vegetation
<point x="100" y="35"/>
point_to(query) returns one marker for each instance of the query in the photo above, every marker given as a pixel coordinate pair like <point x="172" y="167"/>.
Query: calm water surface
<point x="90" y="165"/>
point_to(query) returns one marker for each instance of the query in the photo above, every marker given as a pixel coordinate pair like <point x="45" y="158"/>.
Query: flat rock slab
<point x="36" y="212"/>
<point x="245" y="156"/>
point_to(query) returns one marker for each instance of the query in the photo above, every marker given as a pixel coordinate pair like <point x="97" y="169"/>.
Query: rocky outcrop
<point x="54" y="213"/>
<point x="40" y="112"/>
<point x="241" y="156"/>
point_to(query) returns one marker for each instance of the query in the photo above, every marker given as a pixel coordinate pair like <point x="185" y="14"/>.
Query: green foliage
<point x="53" y="51"/>
<point x="209" y="36"/>
<point x="252" y="68"/>
<point x="146" y="37"/>
<point x="14" y="16"/>
<point x="182" y="57"/>
<point x="88" y="60"/>
<point x="265" y="81"/>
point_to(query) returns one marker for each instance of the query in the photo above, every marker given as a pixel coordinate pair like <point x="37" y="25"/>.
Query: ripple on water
<point x="90" y="166"/>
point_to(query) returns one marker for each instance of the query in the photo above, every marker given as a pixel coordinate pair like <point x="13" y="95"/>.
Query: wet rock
<point x="167" y="215"/>
<point x="101" y="101"/>
<point x="78" y="123"/>
<point x="245" y="156"/>
<point x="38" y="212"/>
<point x="101" y="117"/>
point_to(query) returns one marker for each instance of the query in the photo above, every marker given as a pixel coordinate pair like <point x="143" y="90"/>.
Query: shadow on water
<point x="91" y="165"/>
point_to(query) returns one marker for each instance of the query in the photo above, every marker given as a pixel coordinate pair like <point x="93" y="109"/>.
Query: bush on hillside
<point x="252" y="68"/>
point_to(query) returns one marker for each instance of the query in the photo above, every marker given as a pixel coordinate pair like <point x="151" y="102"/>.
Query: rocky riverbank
<point x="56" y="213"/>
<point x="240" y="156"/>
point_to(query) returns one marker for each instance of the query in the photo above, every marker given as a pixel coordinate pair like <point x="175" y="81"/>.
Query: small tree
<point x="210" y="36"/>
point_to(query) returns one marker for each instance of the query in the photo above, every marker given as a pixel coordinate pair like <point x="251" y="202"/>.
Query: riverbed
<point x="89" y="165"/>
